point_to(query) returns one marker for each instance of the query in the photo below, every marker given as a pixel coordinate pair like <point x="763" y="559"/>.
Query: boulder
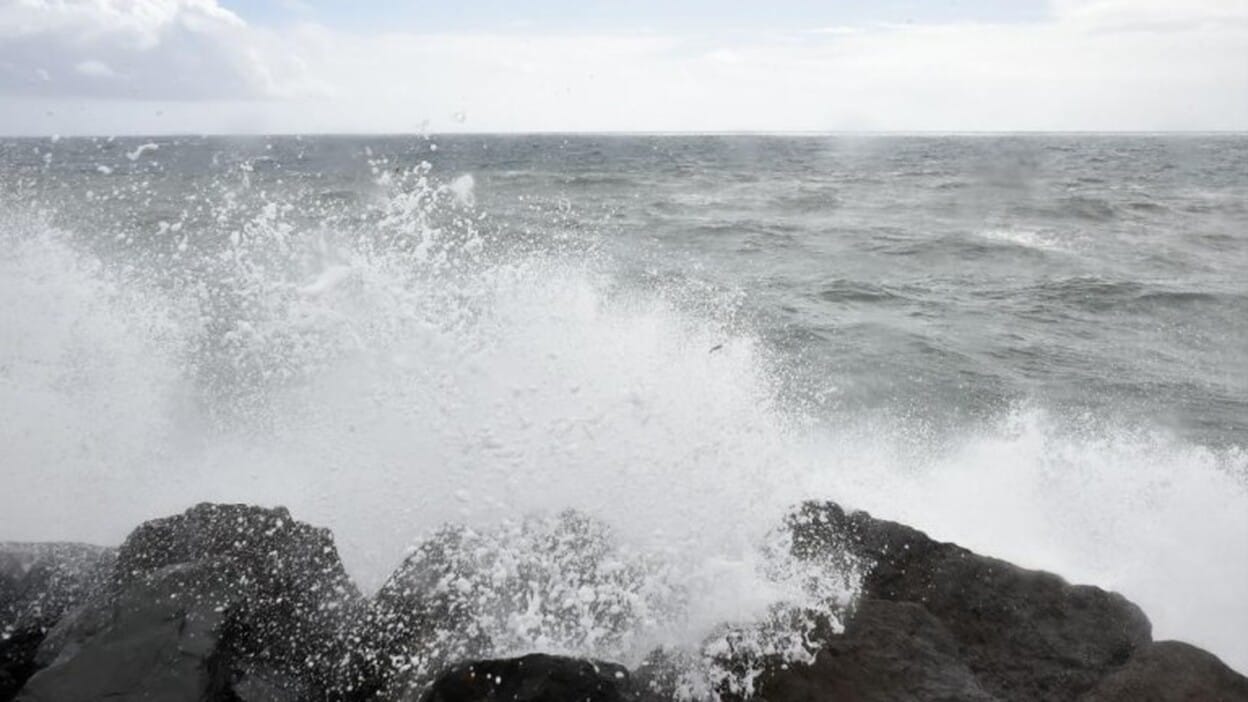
<point x="889" y="651"/>
<point x="1171" y="671"/>
<point x="39" y="585"/>
<point x="533" y="678"/>
<point x="1021" y="634"/>
<point x="239" y="603"/>
<point x="463" y="594"/>
<point x="221" y="602"/>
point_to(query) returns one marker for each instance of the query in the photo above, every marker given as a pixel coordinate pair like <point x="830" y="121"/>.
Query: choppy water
<point x="1036" y="346"/>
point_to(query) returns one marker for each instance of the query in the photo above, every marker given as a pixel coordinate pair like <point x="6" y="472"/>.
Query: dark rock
<point x="533" y="678"/>
<point x="41" y="582"/>
<point x="243" y="604"/>
<point x="1023" y="634"/>
<point x="221" y="602"/>
<point x="160" y="644"/>
<point x="17" y="660"/>
<point x="39" y="585"/>
<point x="1170" y="671"/>
<point x="889" y="651"/>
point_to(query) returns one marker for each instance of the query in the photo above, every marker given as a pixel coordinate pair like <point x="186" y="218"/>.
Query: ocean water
<point x="1036" y="346"/>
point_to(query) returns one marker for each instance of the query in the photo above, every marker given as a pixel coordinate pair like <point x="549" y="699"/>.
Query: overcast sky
<point x="233" y="66"/>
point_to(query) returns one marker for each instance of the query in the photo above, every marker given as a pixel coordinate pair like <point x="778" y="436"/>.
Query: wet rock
<point x="39" y="585"/>
<point x="533" y="678"/>
<point x="221" y="602"/>
<point x="40" y="582"/>
<point x="1171" y="671"/>
<point x="238" y="603"/>
<point x="888" y="651"/>
<point x="17" y="660"/>
<point x="463" y="594"/>
<point x="1022" y="634"/>
<point x="422" y="620"/>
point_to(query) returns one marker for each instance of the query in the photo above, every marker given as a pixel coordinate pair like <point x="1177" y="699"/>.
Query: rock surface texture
<point x="239" y="603"/>
<point x="1171" y="670"/>
<point x="533" y="678"/>
<point x="39" y="585"/>
<point x="962" y="626"/>
<point x="224" y="602"/>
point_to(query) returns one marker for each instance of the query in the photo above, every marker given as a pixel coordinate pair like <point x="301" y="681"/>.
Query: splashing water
<point x="409" y="364"/>
<point x="407" y="374"/>
<point x="564" y="584"/>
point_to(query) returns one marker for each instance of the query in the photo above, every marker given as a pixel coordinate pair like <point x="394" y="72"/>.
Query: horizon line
<point x="643" y="133"/>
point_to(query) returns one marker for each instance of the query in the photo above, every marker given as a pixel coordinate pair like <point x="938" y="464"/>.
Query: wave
<point x="1132" y="509"/>
<point x="408" y="366"/>
<point x="1026" y="238"/>
<point x="806" y="199"/>
<point x="600" y="180"/>
<point x="1089" y="209"/>
<point x="385" y="384"/>
<point x="1096" y="293"/>
<point x="857" y="291"/>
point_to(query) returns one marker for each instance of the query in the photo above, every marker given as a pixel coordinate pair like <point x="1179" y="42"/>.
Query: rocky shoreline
<point x="234" y="602"/>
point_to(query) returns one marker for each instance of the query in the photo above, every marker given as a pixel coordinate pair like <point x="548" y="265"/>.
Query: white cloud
<point x="837" y="30"/>
<point x="1152" y="15"/>
<point x="1096" y="65"/>
<point x="171" y="49"/>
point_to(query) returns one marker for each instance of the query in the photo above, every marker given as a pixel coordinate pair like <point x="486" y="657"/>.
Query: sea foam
<point x="419" y="368"/>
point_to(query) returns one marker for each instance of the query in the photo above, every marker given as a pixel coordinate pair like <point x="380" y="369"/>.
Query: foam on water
<point x="1131" y="509"/>
<point x="1026" y="238"/>
<point x="386" y="385"/>
<point x="419" y="370"/>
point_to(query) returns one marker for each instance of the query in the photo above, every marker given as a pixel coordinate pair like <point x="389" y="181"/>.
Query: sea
<point x="1033" y="345"/>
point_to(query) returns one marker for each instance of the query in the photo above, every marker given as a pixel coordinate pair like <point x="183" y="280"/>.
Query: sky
<point x="409" y="66"/>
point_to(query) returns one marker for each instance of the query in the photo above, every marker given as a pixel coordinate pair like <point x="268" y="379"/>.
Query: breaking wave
<point x="414" y="365"/>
